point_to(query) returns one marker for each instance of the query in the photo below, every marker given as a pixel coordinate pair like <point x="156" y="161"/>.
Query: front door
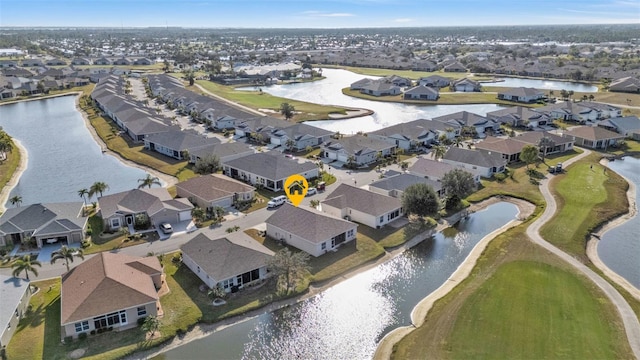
<point x="129" y="219"/>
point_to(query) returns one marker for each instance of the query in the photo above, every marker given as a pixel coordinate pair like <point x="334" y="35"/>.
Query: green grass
<point x="390" y="237"/>
<point x="9" y="166"/>
<point x="257" y="100"/>
<point x="136" y="152"/>
<point x="553" y="314"/>
<point x="587" y="196"/>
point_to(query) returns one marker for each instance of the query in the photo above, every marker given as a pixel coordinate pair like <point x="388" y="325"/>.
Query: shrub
<point x="100" y="331"/>
<point x="88" y="232"/>
<point x="141" y="320"/>
<point x="82" y="336"/>
<point x="110" y="328"/>
<point x="500" y="177"/>
<point x="86" y="244"/>
<point x="68" y="339"/>
<point x="176" y="258"/>
<point x="93" y="332"/>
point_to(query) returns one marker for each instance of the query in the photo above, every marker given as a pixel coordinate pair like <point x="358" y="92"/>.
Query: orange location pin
<point x="296" y="188"/>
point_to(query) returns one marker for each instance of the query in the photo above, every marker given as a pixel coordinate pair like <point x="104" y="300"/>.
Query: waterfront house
<point x="433" y="170"/>
<point x="520" y="116"/>
<point x="177" y="144"/>
<point x="309" y="230"/>
<point x="15" y="294"/>
<point x="465" y="85"/>
<point x="622" y="125"/>
<point x="358" y="149"/>
<point x="521" y="94"/>
<point x="434" y="81"/>
<point x="109" y="291"/>
<point x="380" y="87"/>
<point x="362" y="206"/>
<point x="259" y="128"/>
<point x="477" y="162"/>
<point x="141" y="207"/>
<point x="580" y="111"/>
<point x="628" y="84"/>
<point x="396" y="184"/>
<point x="421" y="92"/>
<point x="46" y="223"/>
<point x="594" y="137"/>
<point x="209" y="191"/>
<point x="269" y="169"/>
<point x="409" y="135"/>
<point x="231" y="262"/>
<point x="225" y="152"/>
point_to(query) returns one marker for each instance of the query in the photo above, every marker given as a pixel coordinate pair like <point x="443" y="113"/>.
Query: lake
<point x="63" y="156"/>
<point x="349" y="319"/>
<point x="619" y="248"/>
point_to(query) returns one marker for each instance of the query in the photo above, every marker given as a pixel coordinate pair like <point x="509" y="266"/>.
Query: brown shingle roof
<point x="593" y="133"/>
<point x="362" y="200"/>
<point x="213" y="187"/>
<point x="106" y="283"/>
<point x="309" y="224"/>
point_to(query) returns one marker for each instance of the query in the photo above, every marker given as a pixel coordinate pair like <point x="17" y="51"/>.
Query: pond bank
<point x="22" y="166"/>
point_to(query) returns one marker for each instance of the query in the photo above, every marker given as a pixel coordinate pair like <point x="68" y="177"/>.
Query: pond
<point x="619" y="248"/>
<point x="544" y="84"/>
<point x="348" y="320"/>
<point x="63" y="156"/>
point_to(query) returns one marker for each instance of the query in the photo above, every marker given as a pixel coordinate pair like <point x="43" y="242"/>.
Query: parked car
<point x="166" y="228"/>
<point x="312" y="191"/>
<point x="276" y="201"/>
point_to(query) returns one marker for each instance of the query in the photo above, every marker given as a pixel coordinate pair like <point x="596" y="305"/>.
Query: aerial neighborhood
<point x="209" y="234"/>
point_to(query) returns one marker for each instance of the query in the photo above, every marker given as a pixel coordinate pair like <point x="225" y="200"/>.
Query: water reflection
<point x="348" y="320"/>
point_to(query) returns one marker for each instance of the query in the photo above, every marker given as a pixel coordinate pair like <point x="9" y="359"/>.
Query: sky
<point x="313" y="13"/>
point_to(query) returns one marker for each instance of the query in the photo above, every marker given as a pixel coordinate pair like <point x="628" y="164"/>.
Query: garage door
<point x="225" y="203"/>
<point x="184" y="215"/>
<point x="343" y="158"/>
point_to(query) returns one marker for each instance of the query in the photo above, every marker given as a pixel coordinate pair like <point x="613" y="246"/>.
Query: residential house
<point x="362" y="206"/>
<point x="398" y="80"/>
<point x="509" y="148"/>
<point x="109" y="291"/>
<point x="594" y="137"/>
<point x="396" y="184"/>
<point x="299" y="136"/>
<point x="259" y="128"/>
<point x="408" y="136"/>
<point x="358" y="149"/>
<point x="455" y="66"/>
<point x="225" y="151"/>
<point x="628" y="84"/>
<point x="435" y="81"/>
<point x="466" y="85"/>
<point x="516" y="116"/>
<point x="309" y="230"/>
<point x="421" y="92"/>
<point x="424" y="65"/>
<point x="32" y="63"/>
<point x="143" y="61"/>
<point x="151" y="206"/>
<point x="269" y="169"/>
<point x="7" y="93"/>
<point x="448" y="128"/>
<point x="231" y="263"/>
<point x="434" y="170"/>
<point x="481" y="124"/>
<point x="121" y="61"/>
<point x="17" y="72"/>
<point x="477" y="162"/>
<point x="581" y="111"/>
<point x="521" y="94"/>
<point x="46" y="223"/>
<point x="220" y="123"/>
<point x="80" y="61"/>
<point x="361" y="84"/>
<point x="15" y="294"/>
<point x="55" y="62"/>
<point x="102" y="61"/>
<point x="380" y="87"/>
<point x="177" y="144"/>
<point x="209" y="191"/>
<point x="626" y="126"/>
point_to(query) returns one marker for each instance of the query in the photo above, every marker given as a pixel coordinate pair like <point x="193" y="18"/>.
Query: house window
<point x="350" y="233"/>
<point x="81" y="326"/>
<point x="109" y="320"/>
<point x="142" y="311"/>
<point x="115" y="223"/>
<point x="323" y="246"/>
<point x="227" y="283"/>
<point x="381" y="219"/>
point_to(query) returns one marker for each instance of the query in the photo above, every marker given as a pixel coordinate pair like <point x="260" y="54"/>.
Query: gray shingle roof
<point x="223" y="150"/>
<point x="309" y="224"/>
<point x="213" y="187"/>
<point x="362" y="200"/>
<point x="227" y="257"/>
<point x="464" y="118"/>
<point x="412" y="130"/>
<point x="431" y="168"/>
<point x="358" y="144"/>
<point x="37" y="217"/>
<point x="139" y="200"/>
<point x="180" y="140"/>
<point x="11" y="291"/>
<point x="475" y="157"/>
<point x="402" y="181"/>
<point x="271" y="165"/>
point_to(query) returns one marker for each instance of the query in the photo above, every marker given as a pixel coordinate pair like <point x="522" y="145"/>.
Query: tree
<point x="198" y="214"/>
<point x="16" y="200"/>
<point x="98" y="187"/>
<point x="457" y="141"/>
<point x="66" y="254"/>
<point x="149" y="181"/>
<point x="291" y="266"/>
<point x="439" y="151"/>
<point x="6" y="144"/>
<point x="591" y="97"/>
<point x="150" y="325"/>
<point x="404" y="165"/>
<point x="570" y="94"/>
<point x="83" y="194"/>
<point x="290" y="143"/>
<point x="27" y="264"/>
<point x="545" y="143"/>
<point x="208" y="164"/>
<point x="529" y="155"/>
<point x="564" y="94"/>
<point x="287" y="110"/>
<point x="314" y="203"/>
<point x="420" y="199"/>
<point x="457" y="184"/>
<point x="190" y="76"/>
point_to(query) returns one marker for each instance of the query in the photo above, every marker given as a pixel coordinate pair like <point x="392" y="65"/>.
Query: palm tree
<point x="457" y="141"/>
<point x="27" y="264"/>
<point x="83" y="194"/>
<point x="149" y="181"/>
<point x="545" y="143"/>
<point x="438" y="152"/>
<point x="66" y="254"/>
<point x="570" y="94"/>
<point x="98" y="187"/>
<point x="16" y="200"/>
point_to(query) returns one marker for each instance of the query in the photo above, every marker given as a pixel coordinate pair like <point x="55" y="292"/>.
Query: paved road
<point x="629" y="319"/>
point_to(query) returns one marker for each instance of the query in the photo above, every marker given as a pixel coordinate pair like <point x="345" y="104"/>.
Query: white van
<point x="276" y="201"/>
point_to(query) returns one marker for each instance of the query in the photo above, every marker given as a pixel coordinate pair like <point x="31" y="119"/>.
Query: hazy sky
<point x="314" y="13"/>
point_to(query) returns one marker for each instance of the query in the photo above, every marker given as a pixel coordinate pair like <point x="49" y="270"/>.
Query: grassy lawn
<point x="9" y="166"/>
<point x="390" y="237"/>
<point x="587" y="196"/>
<point x="136" y="152"/>
<point x="106" y="242"/>
<point x="553" y="314"/>
<point x="630" y="146"/>
<point x="386" y="72"/>
<point x="261" y="100"/>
